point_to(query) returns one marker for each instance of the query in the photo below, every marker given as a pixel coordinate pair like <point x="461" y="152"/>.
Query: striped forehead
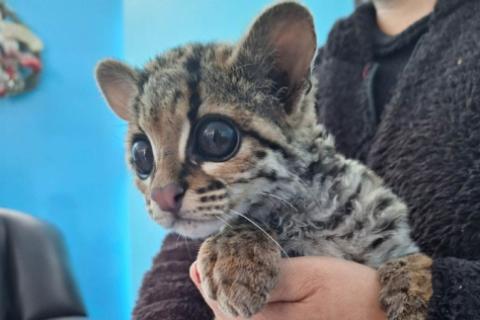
<point x="169" y="100"/>
<point x="177" y="84"/>
<point x="199" y="74"/>
<point x="171" y="82"/>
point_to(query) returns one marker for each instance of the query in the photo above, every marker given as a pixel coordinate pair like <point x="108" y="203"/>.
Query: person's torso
<point x="427" y="143"/>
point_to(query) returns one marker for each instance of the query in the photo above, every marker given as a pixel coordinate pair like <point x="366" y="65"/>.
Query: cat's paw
<point x="406" y="287"/>
<point x="238" y="272"/>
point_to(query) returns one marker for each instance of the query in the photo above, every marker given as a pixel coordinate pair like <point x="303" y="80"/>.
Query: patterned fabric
<point x="20" y="49"/>
<point x="167" y="291"/>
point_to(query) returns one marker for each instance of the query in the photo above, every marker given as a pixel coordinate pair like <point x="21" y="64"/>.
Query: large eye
<point x="217" y="139"/>
<point x="142" y="156"/>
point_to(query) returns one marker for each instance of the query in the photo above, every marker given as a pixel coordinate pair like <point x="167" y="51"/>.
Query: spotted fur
<point x="287" y="180"/>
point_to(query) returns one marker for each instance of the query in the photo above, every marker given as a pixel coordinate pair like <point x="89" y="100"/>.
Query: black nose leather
<point x="169" y="198"/>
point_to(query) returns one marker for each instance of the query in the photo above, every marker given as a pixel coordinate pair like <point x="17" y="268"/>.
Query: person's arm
<point x="450" y="231"/>
<point x="167" y="293"/>
<point x="456" y="289"/>
<point x="438" y="289"/>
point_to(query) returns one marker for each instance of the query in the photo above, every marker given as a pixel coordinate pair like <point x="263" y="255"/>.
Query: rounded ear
<point x="118" y="84"/>
<point x="283" y="38"/>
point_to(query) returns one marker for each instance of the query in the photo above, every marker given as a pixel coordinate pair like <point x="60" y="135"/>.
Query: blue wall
<point x="61" y="149"/>
<point x="152" y="26"/>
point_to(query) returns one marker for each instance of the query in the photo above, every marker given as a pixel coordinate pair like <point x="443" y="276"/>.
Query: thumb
<point x="298" y="280"/>
<point x="194" y="275"/>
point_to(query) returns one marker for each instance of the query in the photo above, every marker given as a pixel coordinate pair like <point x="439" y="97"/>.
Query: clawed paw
<point x="238" y="277"/>
<point x="406" y="287"/>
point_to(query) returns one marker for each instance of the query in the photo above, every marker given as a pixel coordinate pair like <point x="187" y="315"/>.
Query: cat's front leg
<point x="406" y="287"/>
<point x="239" y="267"/>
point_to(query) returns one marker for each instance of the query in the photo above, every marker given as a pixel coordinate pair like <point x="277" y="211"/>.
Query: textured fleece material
<point x="426" y="147"/>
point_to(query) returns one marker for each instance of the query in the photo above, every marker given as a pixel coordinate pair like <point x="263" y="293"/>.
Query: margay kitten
<point x="225" y="143"/>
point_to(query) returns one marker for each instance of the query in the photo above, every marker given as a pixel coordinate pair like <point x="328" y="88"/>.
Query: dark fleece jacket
<point x="426" y="147"/>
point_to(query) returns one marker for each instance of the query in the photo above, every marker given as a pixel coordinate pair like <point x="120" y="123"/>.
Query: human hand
<point x="316" y="288"/>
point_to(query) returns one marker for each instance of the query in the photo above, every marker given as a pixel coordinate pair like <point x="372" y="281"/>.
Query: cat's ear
<point x="281" y="43"/>
<point x="118" y="83"/>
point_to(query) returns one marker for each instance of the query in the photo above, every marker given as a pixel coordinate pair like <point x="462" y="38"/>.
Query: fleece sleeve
<point x="456" y="289"/>
<point x="167" y="292"/>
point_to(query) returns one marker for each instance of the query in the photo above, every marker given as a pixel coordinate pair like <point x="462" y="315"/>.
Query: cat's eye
<point x="142" y="156"/>
<point x="217" y="139"/>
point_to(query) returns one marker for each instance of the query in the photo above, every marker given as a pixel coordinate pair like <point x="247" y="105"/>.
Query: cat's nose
<point x="169" y="198"/>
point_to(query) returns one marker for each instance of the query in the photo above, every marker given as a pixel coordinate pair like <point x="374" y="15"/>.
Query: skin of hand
<point x="316" y="288"/>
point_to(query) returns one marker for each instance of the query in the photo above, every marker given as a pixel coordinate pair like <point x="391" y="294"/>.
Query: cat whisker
<point x="306" y="188"/>
<point x="224" y="221"/>
<point x="179" y="236"/>
<point x="188" y="247"/>
<point x="271" y="195"/>
<point x="261" y="229"/>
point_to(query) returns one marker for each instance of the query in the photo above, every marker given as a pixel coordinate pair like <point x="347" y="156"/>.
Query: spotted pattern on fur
<point x="343" y="210"/>
<point x="286" y="187"/>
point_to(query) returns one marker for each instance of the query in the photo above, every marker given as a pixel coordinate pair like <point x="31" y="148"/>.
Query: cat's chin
<point x="196" y="229"/>
<point x="188" y="227"/>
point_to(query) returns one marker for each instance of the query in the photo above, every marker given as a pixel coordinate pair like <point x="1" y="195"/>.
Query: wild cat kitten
<point x="225" y="143"/>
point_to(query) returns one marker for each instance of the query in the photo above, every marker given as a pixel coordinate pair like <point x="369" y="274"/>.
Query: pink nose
<point x="169" y="198"/>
